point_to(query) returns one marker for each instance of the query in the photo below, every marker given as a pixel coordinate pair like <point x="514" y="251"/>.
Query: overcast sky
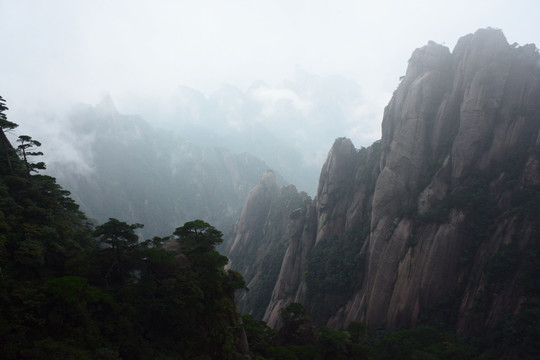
<point x="58" y="51"/>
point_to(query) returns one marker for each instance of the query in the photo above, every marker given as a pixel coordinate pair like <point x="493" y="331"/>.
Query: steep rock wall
<point x="342" y="207"/>
<point x="437" y="221"/>
<point x="261" y="238"/>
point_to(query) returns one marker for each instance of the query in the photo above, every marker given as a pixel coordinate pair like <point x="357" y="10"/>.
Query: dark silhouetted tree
<point x="121" y="238"/>
<point x="27" y="148"/>
<point x="198" y="236"/>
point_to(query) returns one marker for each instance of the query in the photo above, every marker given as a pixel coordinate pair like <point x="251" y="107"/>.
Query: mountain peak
<point x="106" y="105"/>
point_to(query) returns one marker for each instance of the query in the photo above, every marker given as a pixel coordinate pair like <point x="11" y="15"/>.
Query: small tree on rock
<point x="27" y="148"/>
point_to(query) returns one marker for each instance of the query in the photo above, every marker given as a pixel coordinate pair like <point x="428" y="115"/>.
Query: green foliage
<point x="297" y="327"/>
<point x="158" y="308"/>
<point x="118" y="234"/>
<point x="293" y="311"/>
<point x="422" y="343"/>
<point x="260" y="292"/>
<point x="355" y="342"/>
<point x="515" y="338"/>
<point x="281" y="352"/>
<point x="474" y="198"/>
<point x="442" y="313"/>
<point x="333" y="343"/>
<point x="334" y="268"/>
<point x="5" y="124"/>
<point x="260" y="336"/>
<point x="503" y="263"/>
<point x="197" y="236"/>
<point x="40" y="223"/>
<point x="335" y="264"/>
<point x="526" y="201"/>
<point x="29" y="254"/>
<point x="119" y="245"/>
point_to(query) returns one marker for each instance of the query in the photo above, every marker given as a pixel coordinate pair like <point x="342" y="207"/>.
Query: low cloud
<point x="59" y="144"/>
<point x="274" y="100"/>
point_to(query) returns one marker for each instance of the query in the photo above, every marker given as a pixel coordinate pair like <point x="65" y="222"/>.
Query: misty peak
<point x="106" y="105"/>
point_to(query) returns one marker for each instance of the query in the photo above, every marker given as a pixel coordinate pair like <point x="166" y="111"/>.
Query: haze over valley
<point x="279" y="80"/>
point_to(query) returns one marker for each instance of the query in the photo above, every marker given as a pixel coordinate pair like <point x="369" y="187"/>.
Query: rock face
<point x="259" y="244"/>
<point x="440" y="220"/>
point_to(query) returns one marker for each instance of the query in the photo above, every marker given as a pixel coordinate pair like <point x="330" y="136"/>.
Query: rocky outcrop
<point x="342" y="207"/>
<point x="261" y="238"/>
<point x="438" y="220"/>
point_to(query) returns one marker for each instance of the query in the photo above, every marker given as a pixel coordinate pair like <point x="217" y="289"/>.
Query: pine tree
<point x="26" y="149"/>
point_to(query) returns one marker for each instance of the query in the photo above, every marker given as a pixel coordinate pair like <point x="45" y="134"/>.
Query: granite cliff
<point x="258" y="247"/>
<point x="439" y="221"/>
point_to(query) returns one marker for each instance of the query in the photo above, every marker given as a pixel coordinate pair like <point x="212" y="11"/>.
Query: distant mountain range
<point x="181" y="155"/>
<point x="290" y="126"/>
<point x="140" y="174"/>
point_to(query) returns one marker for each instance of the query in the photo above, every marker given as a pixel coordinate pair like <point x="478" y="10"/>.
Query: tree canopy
<point x="198" y="235"/>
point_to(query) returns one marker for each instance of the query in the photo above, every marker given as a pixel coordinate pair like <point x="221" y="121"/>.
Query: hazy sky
<point x="57" y="51"/>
